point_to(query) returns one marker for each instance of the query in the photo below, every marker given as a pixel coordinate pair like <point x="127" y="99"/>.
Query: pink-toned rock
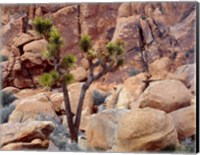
<point x="160" y="68"/>
<point x="22" y="39"/>
<point x="31" y="108"/>
<point x="166" y="95"/>
<point x="101" y="128"/>
<point x="79" y="74"/>
<point x="10" y="30"/>
<point x="36" y="144"/>
<point x="145" y="130"/>
<point x="68" y="17"/>
<point x="131" y="90"/>
<point x="185" y="121"/>
<point x="25" y="133"/>
<point x="32" y="52"/>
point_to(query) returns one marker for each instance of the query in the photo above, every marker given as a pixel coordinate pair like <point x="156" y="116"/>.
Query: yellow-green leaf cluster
<point x="85" y="43"/>
<point x="49" y="79"/>
<point x="69" y="61"/>
<point x="42" y="25"/>
<point x="46" y="80"/>
<point x="69" y="78"/>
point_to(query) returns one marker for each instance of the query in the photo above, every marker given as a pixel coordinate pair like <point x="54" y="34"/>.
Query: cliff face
<point x="150" y="31"/>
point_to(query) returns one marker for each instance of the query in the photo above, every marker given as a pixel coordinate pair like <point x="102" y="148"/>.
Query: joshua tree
<point x="107" y="60"/>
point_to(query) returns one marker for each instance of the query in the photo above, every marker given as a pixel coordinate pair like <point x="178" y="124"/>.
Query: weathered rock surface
<point x="160" y="68"/>
<point x="32" y="52"/>
<point x="31" y="108"/>
<point x="35" y="144"/>
<point x="25" y="135"/>
<point x="145" y="130"/>
<point x="131" y="90"/>
<point x="101" y="128"/>
<point x="79" y="74"/>
<point x="66" y="20"/>
<point x="189" y="71"/>
<point x="148" y="30"/>
<point x="22" y="39"/>
<point x="185" y="121"/>
<point x="166" y="95"/>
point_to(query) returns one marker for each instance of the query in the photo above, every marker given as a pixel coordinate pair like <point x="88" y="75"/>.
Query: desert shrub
<point x="3" y="58"/>
<point x="5" y="113"/>
<point x="187" y="53"/>
<point x="187" y="146"/>
<point x="133" y="72"/>
<point x="143" y="17"/>
<point x="98" y="97"/>
<point x="6" y="99"/>
<point x="60" y="135"/>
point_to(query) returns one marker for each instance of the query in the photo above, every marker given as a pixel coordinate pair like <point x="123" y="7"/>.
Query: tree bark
<point x="69" y="114"/>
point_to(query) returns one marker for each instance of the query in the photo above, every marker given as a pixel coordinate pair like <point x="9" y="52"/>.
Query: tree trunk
<point x="69" y="114"/>
<point x="80" y="106"/>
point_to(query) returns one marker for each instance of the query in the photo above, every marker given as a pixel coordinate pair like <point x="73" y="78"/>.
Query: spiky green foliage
<point x="55" y="75"/>
<point x="85" y="43"/>
<point x="69" y="61"/>
<point x="69" y="78"/>
<point x="115" y="53"/>
<point x="115" y="48"/>
<point x="42" y="25"/>
<point x="46" y="80"/>
<point x="55" y="37"/>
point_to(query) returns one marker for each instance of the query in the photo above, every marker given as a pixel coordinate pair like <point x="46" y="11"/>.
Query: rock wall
<point x="149" y="30"/>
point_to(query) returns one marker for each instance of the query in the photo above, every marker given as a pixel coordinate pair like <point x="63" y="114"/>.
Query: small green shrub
<point x="187" y="53"/>
<point x="133" y="72"/>
<point x="3" y="58"/>
<point x="98" y="97"/>
<point x="5" y="113"/>
<point x="6" y="99"/>
<point x="143" y="17"/>
<point x="187" y="146"/>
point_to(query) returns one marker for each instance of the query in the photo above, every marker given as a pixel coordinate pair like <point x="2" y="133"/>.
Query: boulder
<point x="79" y="74"/>
<point x="84" y="63"/>
<point x="131" y="90"/>
<point x="35" y="144"/>
<point x="185" y="121"/>
<point x="11" y="89"/>
<point x="22" y="39"/>
<point x="31" y="108"/>
<point x="25" y="135"/>
<point x="160" y="68"/>
<point x="166" y="95"/>
<point x="32" y="53"/>
<point x="145" y="130"/>
<point x="57" y="99"/>
<point x="101" y="128"/>
<point x="189" y="71"/>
